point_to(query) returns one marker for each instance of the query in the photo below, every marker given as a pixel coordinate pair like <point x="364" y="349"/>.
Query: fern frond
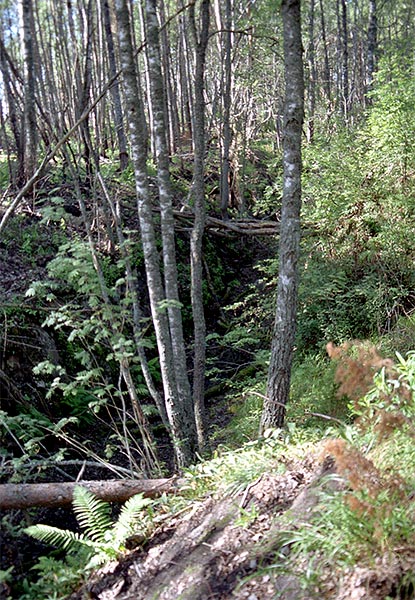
<point x="63" y="538"/>
<point x="92" y="513"/>
<point x="129" y="517"/>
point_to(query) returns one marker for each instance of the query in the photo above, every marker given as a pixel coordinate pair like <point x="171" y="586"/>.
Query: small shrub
<point x="101" y="541"/>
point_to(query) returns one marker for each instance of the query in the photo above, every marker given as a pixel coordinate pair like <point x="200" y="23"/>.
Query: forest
<point x="207" y="299"/>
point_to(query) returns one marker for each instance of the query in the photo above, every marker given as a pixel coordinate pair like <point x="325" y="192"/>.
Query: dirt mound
<point x="207" y="552"/>
<point x="220" y="548"/>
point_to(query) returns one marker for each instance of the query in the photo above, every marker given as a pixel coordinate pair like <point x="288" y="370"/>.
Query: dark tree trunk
<point x="372" y="35"/>
<point x="311" y="74"/>
<point x="115" y="88"/>
<point x="30" y="131"/>
<point x="289" y="248"/>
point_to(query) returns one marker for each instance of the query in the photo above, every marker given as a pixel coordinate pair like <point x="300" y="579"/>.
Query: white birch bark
<point x="183" y="443"/>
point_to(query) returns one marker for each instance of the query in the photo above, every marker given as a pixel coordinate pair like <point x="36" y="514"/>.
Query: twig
<point x="326" y="417"/>
<point x="250" y="486"/>
<point x="261" y="396"/>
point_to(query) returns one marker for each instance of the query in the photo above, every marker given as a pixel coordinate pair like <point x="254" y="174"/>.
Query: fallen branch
<point x="25" y="495"/>
<point x="217" y="226"/>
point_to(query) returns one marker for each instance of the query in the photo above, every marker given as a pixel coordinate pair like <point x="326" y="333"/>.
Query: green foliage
<point x="96" y="335"/>
<point x="391" y="123"/>
<point x="365" y="511"/>
<point x="101" y="541"/>
<point x="56" y="579"/>
<point x="313" y="390"/>
<point x="4" y="171"/>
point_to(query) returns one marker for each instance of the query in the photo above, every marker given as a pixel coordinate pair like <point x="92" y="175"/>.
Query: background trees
<point x="187" y="103"/>
<point x="144" y="148"/>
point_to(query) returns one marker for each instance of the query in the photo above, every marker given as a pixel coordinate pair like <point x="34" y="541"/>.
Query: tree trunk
<point x="30" y="131"/>
<point x="372" y="35"/>
<point x="13" y="113"/>
<point x="289" y="248"/>
<point x="157" y="92"/>
<point x="226" y="127"/>
<point x="115" y="89"/>
<point x="312" y="74"/>
<point x="345" y="61"/>
<point x="25" y="495"/>
<point x="181" y="422"/>
<point x="196" y="240"/>
<point x="327" y="85"/>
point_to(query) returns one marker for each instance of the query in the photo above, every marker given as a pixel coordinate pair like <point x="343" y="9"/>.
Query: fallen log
<point x="25" y="495"/>
<point x="251" y="227"/>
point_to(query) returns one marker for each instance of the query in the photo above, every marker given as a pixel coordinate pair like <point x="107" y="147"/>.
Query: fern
<point x="92" y="514"/>
<point x="102" y="539"/>
<point x="63" y="538"/>
<point x="129" y="515"/>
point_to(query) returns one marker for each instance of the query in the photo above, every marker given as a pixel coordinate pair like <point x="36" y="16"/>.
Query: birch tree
<point x="279" y="374"/>
<point x="177" y="396"/>
<point x="196" y="257"/>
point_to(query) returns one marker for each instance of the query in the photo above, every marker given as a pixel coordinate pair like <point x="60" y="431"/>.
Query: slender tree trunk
<point x="115" y="89"/>
<point x="157" y="94"/>
<point x="289" y="247"/>
<point x="85" y="93"/>
<point x="312" y="74"/>
<point x="372" y="35"/>
<point x="181" y="422"/>
<point x="345" y="61"/>
<point x="327" y="85"/>
<point x="185" y="67"/>
<point x="196" y="254"/>
<point x="18" y="177"/>
<point x="149" y="107"/>
<point x="30" y="130"/>
<point x="172" y="117"/>
<point x="226" y="126"/>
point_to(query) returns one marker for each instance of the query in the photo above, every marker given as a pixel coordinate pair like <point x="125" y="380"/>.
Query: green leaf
<point x="92" y="513"/>
<point x="63" y="538"/>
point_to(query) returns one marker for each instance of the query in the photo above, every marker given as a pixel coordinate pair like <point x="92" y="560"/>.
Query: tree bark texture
<point x="25" y="495"/>
<point x="312" y="74"/>
<point x="30" y="131"/>
<point x="372" y="35"/>
<point x="157" y="96"/>
<point x="115" y="89"/>
<point x="196" y="239"/>
<point x="345" y="61"/>
<point x="289" y="248"/>
<point x="227" y="83"/>
<point x="182" y="429"/>
<point x="327" y="85"/>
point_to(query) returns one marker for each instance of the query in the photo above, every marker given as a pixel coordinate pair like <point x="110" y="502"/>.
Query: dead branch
<point x="25" y="495"/>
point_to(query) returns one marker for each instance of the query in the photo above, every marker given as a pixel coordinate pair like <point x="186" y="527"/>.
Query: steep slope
<point x="239" y="547"/>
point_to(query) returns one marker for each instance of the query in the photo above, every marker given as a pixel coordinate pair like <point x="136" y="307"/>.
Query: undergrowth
<point x="369" y="512"/>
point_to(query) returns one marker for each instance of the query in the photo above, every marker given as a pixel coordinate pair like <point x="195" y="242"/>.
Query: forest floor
<point x="224" y="545"/>
<point x="235" y="547"/>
